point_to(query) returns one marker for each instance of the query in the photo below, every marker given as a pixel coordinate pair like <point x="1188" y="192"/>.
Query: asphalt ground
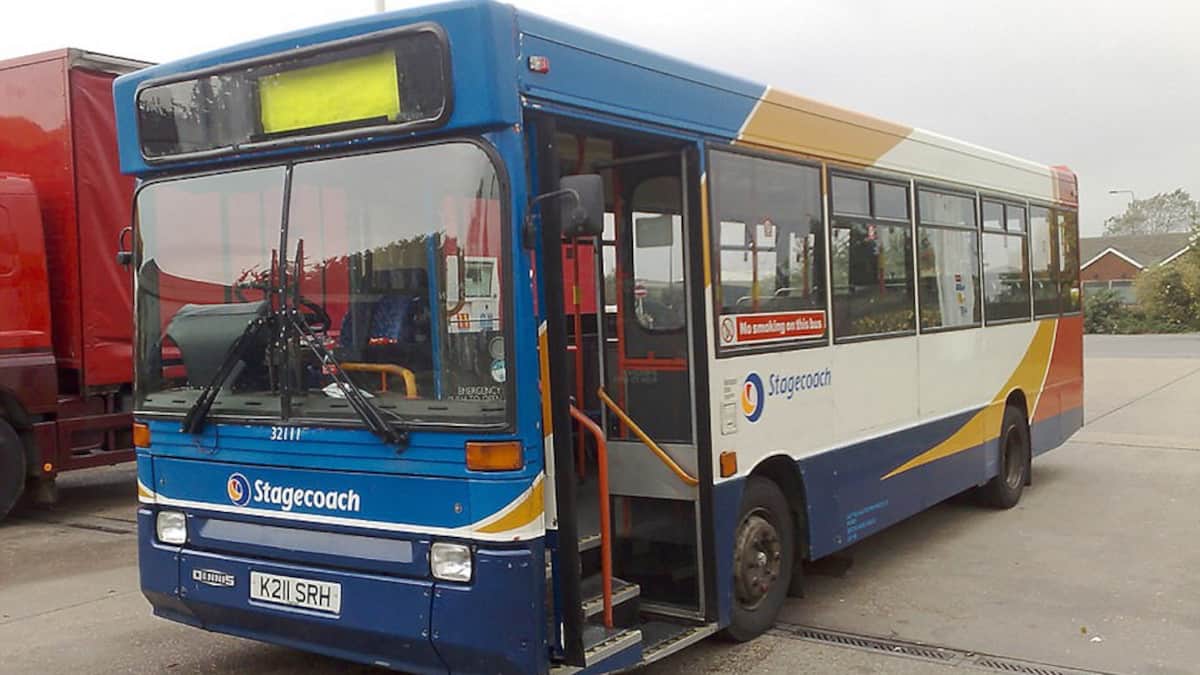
<point x="1095" y="570"/>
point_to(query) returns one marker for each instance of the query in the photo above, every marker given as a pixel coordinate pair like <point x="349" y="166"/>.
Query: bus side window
<point x="1068" y="247"/>
<point x="1043" y="252"/>
<point x="1005" y="264"/>
<point x="871" y="258"/>
<point x="770" y="246"/>
<point x="948" y="260"/>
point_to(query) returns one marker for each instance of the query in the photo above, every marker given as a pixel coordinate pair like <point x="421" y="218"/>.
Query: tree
<point x="1169" y="295"/>
<point x="1164" y="212"/>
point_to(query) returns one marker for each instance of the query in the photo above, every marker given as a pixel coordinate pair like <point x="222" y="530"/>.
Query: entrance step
<point x="589" y="541"/>
<point x="600" y="643"/>
<point x="663" y="638"/>
<point x="593" y="596"/>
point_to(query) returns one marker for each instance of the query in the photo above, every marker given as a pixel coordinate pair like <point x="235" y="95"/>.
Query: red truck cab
<point x="65" y="303"/>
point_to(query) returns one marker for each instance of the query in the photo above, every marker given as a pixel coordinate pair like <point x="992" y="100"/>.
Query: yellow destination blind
<point x="352" y="90"/>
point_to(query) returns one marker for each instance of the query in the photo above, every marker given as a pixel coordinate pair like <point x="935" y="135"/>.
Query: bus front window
<point x="389" y="242"/>
<point x="392" y="258"/>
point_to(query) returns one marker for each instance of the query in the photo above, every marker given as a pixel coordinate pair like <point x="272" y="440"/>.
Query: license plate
<point x="322" y="596"/>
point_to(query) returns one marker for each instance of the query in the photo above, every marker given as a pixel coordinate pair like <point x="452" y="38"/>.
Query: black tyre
<point x="763" y="558"/>
<point x="12" y="468"/>
<point x="1004" y="491"/>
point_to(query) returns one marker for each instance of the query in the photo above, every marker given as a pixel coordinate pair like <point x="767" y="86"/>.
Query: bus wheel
<point x="763" y="549"/>
<point x="1004" y="490"/>
<point x="12" y="468"/>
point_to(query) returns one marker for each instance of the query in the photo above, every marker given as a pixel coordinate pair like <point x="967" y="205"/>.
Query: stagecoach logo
<point x="214" y="578"/>
<point x="287" y="497"/>
<point x="239" y="489"/>
<point x="789" y="386"/>
<point x="752" y="397"/>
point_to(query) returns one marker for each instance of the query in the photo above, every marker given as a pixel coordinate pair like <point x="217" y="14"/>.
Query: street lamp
<point x="1119" y="191"/>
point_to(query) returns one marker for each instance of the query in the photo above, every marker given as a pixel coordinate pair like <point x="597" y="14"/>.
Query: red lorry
<point x="65" y="302"/>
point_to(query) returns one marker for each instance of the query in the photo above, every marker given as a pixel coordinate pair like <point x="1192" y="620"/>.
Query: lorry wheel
<point x="1004" y="490"/>
<point x="12" y="468"/>
<point x="763" y="558"/>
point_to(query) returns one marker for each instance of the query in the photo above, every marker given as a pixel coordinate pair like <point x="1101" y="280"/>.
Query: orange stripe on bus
<point x="524" y="513"/>
<point x="787" y="121"/>
<point x="1063" y="390"/>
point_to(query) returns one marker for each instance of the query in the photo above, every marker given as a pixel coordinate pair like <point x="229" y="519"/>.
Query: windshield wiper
<point x="193" y="421"/>
<point x="367" y="411"/>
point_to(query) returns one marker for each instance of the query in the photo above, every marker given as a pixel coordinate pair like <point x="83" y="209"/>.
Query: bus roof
<point x="594" y="72"/>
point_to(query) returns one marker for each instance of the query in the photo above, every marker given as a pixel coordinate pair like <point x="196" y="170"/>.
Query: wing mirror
<point x="584" y="217"/>
<point x="581" y="207"/>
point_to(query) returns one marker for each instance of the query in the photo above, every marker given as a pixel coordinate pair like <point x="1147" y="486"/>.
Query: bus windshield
<point x="382" y="255"/>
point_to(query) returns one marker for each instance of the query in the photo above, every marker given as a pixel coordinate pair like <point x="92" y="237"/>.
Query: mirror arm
<point x="124" y="255"/>
<point x="529" y="237"/>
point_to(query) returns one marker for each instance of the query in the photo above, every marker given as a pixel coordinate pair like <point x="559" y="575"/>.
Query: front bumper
<point x="494" y="624"/>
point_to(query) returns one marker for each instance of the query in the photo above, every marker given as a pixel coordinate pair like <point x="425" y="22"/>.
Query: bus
<point x="469" y="341"/>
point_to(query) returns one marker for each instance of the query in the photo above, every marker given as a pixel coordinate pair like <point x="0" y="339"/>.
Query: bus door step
<point x="663" y="638"/>
<point x="600" y="643"/>
<point x="589" y="541"/>
<point x="624" y="594"/>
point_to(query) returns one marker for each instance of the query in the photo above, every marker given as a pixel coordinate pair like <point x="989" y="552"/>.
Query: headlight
<point x="171" y="527"/>
<point x="450" y="562"/>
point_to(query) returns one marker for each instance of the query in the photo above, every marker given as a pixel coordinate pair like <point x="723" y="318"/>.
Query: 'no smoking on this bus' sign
<point x="768" y="327"/>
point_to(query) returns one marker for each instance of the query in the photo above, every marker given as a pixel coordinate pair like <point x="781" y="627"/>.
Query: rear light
<point x="141" y="435"/>
<point x="502" y="456"/>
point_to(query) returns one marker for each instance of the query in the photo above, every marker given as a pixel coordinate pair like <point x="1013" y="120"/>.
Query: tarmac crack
<point x="109" y="596"/>
<point x="1140" y="446"/>
<point x="1143" y="396"/>
<point x="79" y="525"/>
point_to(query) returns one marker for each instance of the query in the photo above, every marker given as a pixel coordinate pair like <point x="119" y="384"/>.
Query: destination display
<point x="401" y="79"/>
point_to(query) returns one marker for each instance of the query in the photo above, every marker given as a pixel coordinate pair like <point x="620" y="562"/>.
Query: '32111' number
<point x="285" y="433"/>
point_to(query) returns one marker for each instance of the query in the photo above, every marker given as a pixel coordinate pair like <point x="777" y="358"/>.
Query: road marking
<point x="920" y="651"/>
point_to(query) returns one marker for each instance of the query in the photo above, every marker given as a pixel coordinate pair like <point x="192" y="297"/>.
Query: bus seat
<point x="395" y="314"/>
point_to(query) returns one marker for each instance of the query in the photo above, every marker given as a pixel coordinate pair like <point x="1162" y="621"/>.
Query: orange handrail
<point x="605" y="526"/>
<point x="654" y="447"/>
<point x="385" y="369"/>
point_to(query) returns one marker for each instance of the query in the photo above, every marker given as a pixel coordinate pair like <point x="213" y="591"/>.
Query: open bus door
<point x="629" y="377"/>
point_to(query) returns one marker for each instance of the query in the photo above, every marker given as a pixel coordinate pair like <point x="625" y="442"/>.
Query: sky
<point x="1110" y="88"/>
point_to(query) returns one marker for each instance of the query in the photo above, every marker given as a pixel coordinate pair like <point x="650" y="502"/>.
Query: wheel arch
<point x="785" y="472"/>
<point x="1017" y="399"/>
<point x="14" y="413"/>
